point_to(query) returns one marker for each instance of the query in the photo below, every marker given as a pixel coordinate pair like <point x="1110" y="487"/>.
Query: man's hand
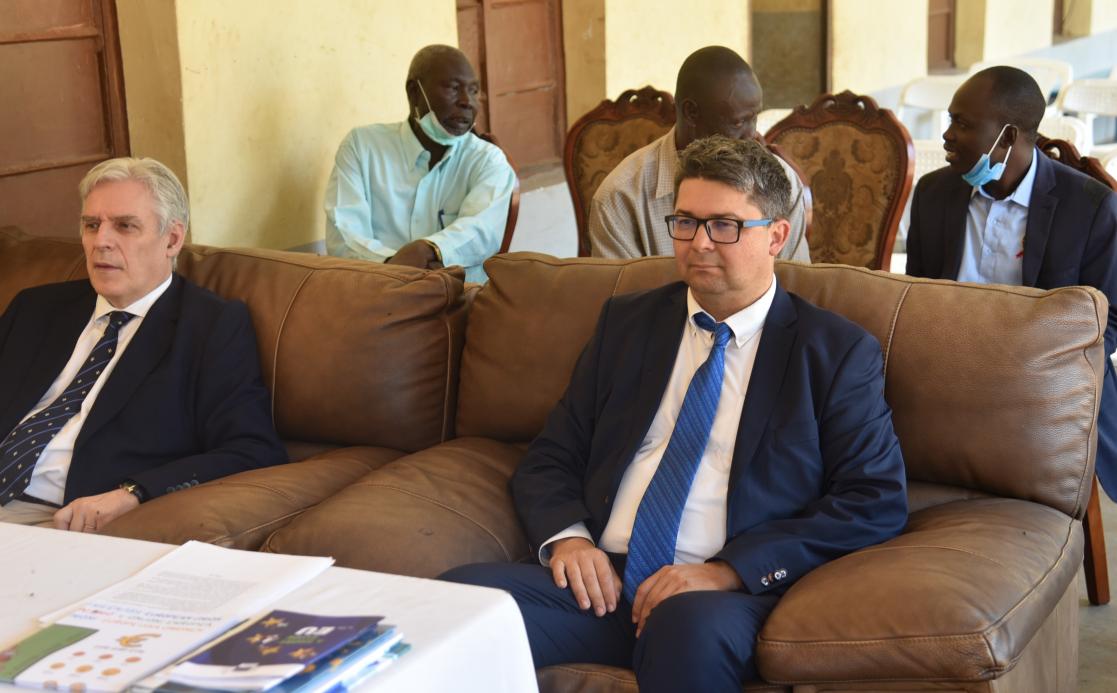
<point x="91" y="513"/>
<point x="676" y="579"/>
<point x="589" y="573"/>
<point x="416" y="254"/>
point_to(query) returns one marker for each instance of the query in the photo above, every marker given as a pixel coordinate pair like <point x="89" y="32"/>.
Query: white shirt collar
<point x="745" y="323"/>
<point x="1022" y="195"/>
<point x="138" y="308"/>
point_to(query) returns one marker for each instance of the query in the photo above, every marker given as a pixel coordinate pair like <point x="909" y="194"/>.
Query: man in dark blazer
<point x="804" y="469"/>
<point x="134" y="383"/>
<point x="1033" y="222"/>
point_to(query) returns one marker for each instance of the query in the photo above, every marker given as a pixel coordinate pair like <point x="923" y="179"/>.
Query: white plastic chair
<point x="1051" y="75"/>
<point x="1090" y="98"/>
<point x="1069" y="128"/>
<point x="929" y="156"/>
<point x="932" y="93"/>
<point x="769" y="117"/>
<point x="1110" y="163"/>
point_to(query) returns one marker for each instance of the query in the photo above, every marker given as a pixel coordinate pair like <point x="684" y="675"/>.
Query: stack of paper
<point x="279" y="646"/>
<point x="138" y="626"/>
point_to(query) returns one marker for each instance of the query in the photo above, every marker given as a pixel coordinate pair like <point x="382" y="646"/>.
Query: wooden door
<point x="516" y="47"/>
<point x="940" y="34"/>
<point x="63" y="107"/>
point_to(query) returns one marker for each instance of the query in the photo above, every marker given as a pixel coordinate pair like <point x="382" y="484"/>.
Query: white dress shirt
<point x="48" y="481"/>
<point x="702" y="528"/>
<point x="993" y="249"/>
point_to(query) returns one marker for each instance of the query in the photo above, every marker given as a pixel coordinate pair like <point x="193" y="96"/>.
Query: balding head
<point x="1013" y="97"/>
<point x="716" y="93"/>
<point x="440" y="79"/>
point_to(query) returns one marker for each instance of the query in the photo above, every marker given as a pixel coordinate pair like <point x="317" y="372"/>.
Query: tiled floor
<point x="546" y="225"/>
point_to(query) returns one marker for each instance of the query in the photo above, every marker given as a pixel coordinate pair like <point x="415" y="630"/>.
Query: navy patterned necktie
<point x="21" y="449"/>
<point x="656" y="528"/>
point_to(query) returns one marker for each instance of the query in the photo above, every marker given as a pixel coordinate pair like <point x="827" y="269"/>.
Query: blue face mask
<point x="432" y="126"/>
<point x="982" y="172"/>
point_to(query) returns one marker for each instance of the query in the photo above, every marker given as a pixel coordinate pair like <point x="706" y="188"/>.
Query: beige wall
<point x="583" y="32"/>
<point x="153" y="81"/>
<point x="647" y="40"/>
<point x="996" y="29"/>
<point x="877" y="44"/>
<point x="1085" y="17"/>
<point x="267" y="95"/>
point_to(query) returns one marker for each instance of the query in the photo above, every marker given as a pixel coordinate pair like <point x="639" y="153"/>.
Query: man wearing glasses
<point x="670" y="509"/>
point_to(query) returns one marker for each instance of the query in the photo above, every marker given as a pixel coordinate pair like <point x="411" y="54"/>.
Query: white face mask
<point x="432" y="126"/>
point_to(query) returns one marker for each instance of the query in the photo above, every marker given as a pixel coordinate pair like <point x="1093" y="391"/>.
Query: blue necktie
<point x="20" y="451"/>
<point x="656" y="528"/>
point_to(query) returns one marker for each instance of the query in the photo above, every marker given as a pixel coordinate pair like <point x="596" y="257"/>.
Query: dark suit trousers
<point x="693" y="641"/>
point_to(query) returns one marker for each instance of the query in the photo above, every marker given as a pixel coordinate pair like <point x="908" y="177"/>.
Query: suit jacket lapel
<point x="1041" y="211"/>
<point x="50" y="352"/>
<point x="660" y="350"/>
<point x="957" y="208"/>
<point x="144" y="352"/>
<point x="772" y="356"/>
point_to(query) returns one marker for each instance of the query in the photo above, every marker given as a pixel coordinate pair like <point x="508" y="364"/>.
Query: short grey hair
<point x="171" y="204"/>
<point x="744" y="165"/>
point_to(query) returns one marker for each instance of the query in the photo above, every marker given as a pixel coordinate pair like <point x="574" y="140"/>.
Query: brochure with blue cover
<point x="280" y="645"/>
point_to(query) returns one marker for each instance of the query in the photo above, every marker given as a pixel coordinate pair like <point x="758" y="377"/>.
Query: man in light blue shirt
<point x="993" y="247"/>
<point x="426" y="192"/>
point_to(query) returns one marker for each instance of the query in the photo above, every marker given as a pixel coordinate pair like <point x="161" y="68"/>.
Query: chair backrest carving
<point x="858" y="160"/>
<point x="1065" y="153"/>
<point x="600" y="139"/>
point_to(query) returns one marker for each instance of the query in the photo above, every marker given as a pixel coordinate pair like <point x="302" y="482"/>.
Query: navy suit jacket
<point x="183" y="405"/>
<point x="1070" y="240"/>
<point x="816" y="472"/>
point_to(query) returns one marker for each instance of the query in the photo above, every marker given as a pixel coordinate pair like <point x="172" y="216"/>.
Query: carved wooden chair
<point x="600" y="139"/>
<point x="858" y="160"/>
<point x="1094" y="561"/>
<point x="514" y="203"/>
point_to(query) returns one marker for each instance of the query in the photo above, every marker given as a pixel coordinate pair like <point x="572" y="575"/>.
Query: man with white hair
<point x="130" y="384"/>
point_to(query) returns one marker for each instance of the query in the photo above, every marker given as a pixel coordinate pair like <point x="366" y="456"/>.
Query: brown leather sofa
<point x="408" y="424"/>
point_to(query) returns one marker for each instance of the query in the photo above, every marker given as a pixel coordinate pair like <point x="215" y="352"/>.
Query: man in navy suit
<point x="131" y="384"/>
<point x="1003" y="212"/>
<point x="655" y="441"/>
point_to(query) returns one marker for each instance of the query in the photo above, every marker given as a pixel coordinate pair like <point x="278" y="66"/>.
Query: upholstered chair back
<point x="602" y="138"/>
<point x="858" y="160"/>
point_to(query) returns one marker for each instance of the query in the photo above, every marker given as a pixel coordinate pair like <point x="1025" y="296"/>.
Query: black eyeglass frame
<point x="705" y="223"/>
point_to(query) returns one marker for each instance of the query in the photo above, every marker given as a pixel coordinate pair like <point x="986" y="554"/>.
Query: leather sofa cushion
<point x="956" y="597"/>
<point x="353" y="352"/>
<point x="598" y="678"/>
<point x="993" y="388"/>
<point x="420" y="515"/>
<point x="241" y="510"/>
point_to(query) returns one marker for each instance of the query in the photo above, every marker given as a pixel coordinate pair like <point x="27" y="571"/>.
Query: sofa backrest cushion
<point x="353" y="352"/>
<point x="993" y="388"/>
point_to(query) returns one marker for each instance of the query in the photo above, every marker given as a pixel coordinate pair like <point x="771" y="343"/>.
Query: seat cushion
<point x="598" y="678"/>
<point x="241" y="510"/>
<point x="956" y="597"/>
<point x="420" y="515"/>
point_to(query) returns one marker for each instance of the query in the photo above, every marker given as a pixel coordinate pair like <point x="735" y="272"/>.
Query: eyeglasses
<point x="684" y="228"/>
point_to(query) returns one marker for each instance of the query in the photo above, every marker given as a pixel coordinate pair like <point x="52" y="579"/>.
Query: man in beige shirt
<point x="716" y="94"/>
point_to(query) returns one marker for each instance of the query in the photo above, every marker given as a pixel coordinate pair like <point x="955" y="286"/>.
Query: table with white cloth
<point x="463" y="638"/>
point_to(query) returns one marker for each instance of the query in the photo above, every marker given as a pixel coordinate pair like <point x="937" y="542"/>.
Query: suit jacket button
<point x="170" y="489"/>
<point x="764" y="581"/>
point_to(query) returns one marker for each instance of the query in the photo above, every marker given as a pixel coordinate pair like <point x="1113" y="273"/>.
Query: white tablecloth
<point x="463" y="638"/>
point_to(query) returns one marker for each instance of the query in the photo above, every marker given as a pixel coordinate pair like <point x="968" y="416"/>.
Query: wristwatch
<point x="135" y="489"/>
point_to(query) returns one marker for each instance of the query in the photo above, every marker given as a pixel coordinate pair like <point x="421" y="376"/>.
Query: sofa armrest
<point x="241" y="510"/>
<point x="957" y="597"/>
<point x="421" y="515"/>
